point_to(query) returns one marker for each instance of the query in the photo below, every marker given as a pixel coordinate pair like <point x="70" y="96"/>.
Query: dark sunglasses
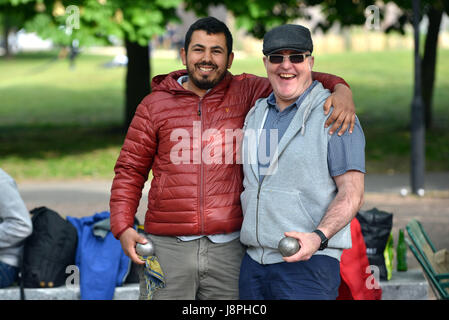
<point x="294" y="58"/>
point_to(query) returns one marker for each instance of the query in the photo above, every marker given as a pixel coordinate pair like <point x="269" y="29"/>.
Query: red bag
<point x="356" y="282"/>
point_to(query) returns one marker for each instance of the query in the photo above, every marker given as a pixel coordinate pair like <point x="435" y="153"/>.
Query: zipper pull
<point x="199" y="107"/>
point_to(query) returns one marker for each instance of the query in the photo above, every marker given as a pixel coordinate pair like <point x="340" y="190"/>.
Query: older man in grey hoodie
<point x="15" y="227"/>
<point x="299" y="181"/>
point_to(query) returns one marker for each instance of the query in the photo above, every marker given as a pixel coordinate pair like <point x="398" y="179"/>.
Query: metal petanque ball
<point x="288" y="246"/>
<point x="146" y="249"/>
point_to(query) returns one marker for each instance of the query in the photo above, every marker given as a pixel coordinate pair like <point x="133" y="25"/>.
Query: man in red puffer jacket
<point x="185" y="131"/>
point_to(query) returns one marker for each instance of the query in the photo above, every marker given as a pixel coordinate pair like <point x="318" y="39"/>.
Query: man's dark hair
<point x="212" y="26"/>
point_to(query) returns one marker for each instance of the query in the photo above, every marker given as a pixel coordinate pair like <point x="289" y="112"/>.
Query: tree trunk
<point x="428" y="63"/>
<point x="6" y="30"/>
<point x="137" y="78"/>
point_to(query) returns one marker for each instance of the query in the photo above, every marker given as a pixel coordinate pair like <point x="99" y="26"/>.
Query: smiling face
<point x="289" y="80"/>
<point x="206" y="60"/>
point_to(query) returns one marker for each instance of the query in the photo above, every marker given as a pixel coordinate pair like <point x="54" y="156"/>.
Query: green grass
<point x="38" y="88"/>
<point x="59" y="123"/>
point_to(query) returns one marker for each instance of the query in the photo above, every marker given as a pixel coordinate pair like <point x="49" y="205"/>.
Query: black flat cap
<point x="287" y="37"/>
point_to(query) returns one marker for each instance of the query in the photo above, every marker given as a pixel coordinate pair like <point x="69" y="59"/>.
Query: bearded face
<point x="201" y="74"/>
<point x="207" y="60"/>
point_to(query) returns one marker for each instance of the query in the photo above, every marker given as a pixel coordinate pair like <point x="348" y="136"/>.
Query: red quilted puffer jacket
<point x="171" y="129"/>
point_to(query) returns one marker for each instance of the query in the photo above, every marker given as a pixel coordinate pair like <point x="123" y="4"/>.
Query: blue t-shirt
<point x="345" y="152"/>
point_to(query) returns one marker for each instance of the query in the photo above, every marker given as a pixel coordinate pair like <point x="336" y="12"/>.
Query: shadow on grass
<point x="38" y="55"/>
<point x="387" y="147"/>
<point x="52" y="141"/>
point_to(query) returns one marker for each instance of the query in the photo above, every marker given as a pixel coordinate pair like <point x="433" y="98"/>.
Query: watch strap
<point x="324" y="239"/>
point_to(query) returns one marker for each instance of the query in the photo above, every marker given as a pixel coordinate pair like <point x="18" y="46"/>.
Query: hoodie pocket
<point x="248" y="199"/>
<point x="306" y="212"/>
<point x="281" y="211"/>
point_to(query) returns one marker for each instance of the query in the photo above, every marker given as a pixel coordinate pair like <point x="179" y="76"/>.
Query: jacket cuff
<point x="119" y="234"/>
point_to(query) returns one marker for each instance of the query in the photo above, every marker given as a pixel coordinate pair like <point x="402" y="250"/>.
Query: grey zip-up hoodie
<point x="15" y="221"/>
<point x="297" y="189"/>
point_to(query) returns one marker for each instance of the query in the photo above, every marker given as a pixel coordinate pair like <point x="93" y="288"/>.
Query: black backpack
<point x="48" y="251"/>
<point x="376" y="226"/>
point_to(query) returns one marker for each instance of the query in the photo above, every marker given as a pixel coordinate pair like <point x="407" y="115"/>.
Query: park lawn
<point x="62" y="123"/>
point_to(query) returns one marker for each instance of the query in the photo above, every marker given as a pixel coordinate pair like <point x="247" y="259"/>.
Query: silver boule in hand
<point x="146" y="249"/>
<point x="288" y="246"/>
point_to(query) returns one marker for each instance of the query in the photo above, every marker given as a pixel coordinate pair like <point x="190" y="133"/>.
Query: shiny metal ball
<point x="146" y="249"/>
<point x="288" y="246"/>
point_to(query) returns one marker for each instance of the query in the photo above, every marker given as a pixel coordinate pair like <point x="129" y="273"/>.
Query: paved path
<point x="84" y="198"/>
<point x="380" y="183"/>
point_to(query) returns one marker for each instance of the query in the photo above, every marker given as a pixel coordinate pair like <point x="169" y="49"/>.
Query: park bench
<point x="435" y="264"/>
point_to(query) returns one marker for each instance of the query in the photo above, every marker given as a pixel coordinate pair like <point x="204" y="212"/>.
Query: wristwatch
<point x="324" y="240"/>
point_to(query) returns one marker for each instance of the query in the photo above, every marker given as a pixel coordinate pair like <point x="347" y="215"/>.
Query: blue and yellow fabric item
<point x="153" y="274"/>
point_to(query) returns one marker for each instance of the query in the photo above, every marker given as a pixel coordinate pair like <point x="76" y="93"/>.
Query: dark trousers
<point x="315" y="279"/>
<point x="8" y="274"/>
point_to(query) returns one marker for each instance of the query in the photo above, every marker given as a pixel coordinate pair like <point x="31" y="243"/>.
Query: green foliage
<point x="14" y="15"/>
<point x="137" y="20"/>
<point x="15" y="2"/>
<point x="255" y="16"/>
<point x="353" y="12"/>
<point x="258" y="16"/>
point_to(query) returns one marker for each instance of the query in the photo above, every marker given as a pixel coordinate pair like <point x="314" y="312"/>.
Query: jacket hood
<point x="167" y="82"/>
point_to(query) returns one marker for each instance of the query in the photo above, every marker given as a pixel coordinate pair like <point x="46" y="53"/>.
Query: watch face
<point x="324" y="244"/>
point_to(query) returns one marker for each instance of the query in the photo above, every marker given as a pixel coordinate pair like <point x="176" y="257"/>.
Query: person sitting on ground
<point x="15" y="227"/>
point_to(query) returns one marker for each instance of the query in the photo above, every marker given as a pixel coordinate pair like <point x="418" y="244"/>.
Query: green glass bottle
<point x="401" y="252"/>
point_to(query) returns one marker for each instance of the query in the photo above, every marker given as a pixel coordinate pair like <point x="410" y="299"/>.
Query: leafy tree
<point x="255" y="16"/>
<point x="258" y="16"/>
<point x="352" y="13"/>
<point x="100" y="21"/>
<point x="11" y="18"/>
<point x="434" y="11"/>
<point x="137" y="21"/>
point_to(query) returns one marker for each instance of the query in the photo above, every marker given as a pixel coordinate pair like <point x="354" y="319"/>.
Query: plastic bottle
<point x="401" y="252"/>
